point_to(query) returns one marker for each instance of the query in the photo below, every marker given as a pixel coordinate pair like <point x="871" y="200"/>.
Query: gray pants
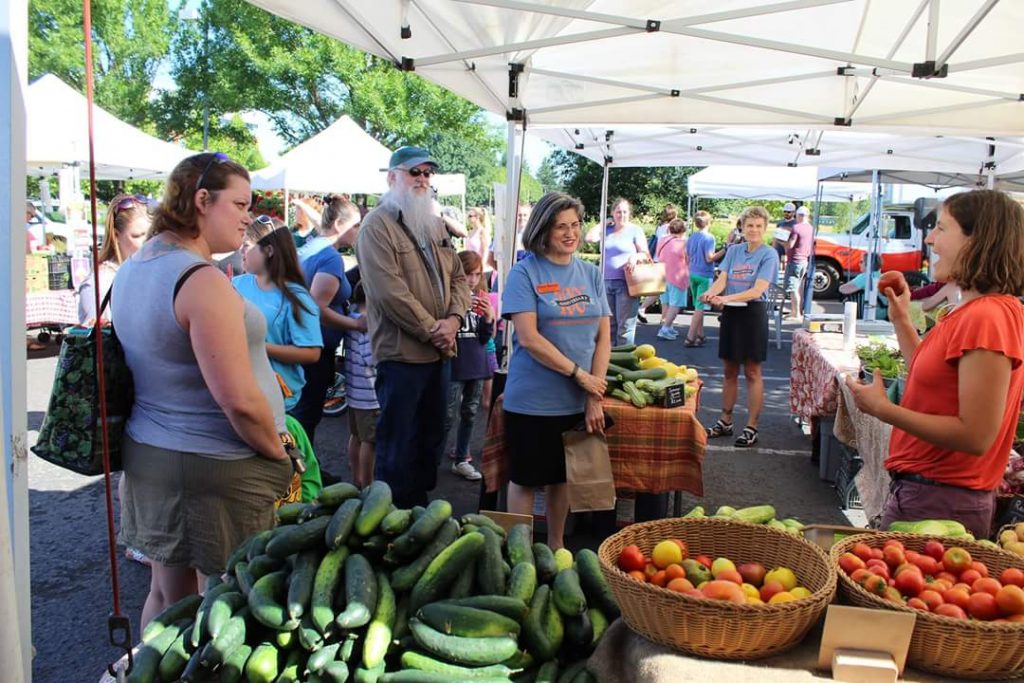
<point x="624" y="311"/>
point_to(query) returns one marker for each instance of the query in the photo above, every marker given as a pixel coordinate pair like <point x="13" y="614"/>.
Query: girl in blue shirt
<point x="741" y="289"/>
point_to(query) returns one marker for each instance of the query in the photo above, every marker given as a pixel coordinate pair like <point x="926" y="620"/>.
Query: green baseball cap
<point x="410" y="157"/>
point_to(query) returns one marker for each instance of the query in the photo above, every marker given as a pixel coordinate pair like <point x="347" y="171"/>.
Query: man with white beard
<point x="416" y="296"/>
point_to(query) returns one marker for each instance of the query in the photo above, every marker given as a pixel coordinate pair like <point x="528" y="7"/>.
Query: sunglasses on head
<point x="263" y="219"/>
<point x="218" y="157"/>
<point x="129" y="202"/>
<point x="417" y="172"/>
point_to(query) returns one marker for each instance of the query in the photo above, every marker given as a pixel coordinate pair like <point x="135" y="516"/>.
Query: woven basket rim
<point x="826" y="591"/>
<point x="988" y="627"/>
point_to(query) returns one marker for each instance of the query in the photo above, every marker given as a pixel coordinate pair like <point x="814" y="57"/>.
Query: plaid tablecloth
<point x="816" y="360"/>
<point x="58" y="307"/>
<point x="653" y="450"/>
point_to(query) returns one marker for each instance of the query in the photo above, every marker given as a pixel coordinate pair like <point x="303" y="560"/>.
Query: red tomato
<point x="850" y="563"/>
<point x="704" y="560"/>
<point x="877" y="554"/>
<point x="910" y="582"/>
<point x="859" y="576"/>
<point x="660" y="578"/>
<point x="917" y="603"/>
<point x="631" y="559"/>
<point x="956" y="560"/>
<point x="911" y="555"/>
<point x="940" y="586"/>
<point x="969" y="576"/>
<point x="980" y="568"/>
<point x="769" y="589"/>
<point x="983" y="606"/>
<point x="638" y="575"/>
<point x="650" y="570"/>
<point x="957" y="596"/>
<point x="893" y="554"/>
<point x="1012" y="577"/>
<point x="928" y="565"/>
<point x="892" y="595"/>
<point x="862" y="550"/>
<point x="934" y="549"/>
<point x="1010" y="600"/>
<point x="878" y="567"/>
<point x="893" y="280"/>
<point x="953" y="611"/>
<point x="876" y="584"/>
<point x="931" y="598"/>
<point x="986" y="585"/>
<point x="906" y="566"/>
<point x="946" y="576"/>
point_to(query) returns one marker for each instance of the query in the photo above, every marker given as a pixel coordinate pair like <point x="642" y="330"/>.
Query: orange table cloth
<point x="653" y="450"/>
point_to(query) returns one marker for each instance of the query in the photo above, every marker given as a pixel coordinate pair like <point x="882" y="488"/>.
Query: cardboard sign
<point x="870" y="630"/>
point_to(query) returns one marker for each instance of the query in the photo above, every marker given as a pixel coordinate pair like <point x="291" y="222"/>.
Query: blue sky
<point x="271" y="146"/>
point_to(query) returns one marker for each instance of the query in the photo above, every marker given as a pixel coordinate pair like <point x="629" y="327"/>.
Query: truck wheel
<point x="826" y="280"/>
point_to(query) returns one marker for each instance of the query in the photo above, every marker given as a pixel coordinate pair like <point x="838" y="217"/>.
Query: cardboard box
<point x="827" y="535"/>
<point x="507" y="520"/>
<point x="37" y="273"/>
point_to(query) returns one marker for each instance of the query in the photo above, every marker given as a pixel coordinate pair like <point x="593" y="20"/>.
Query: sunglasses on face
<point x="217" y="157"/>
<point x="417" y="172"/>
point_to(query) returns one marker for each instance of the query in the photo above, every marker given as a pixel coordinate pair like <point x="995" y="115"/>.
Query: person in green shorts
<point x="700" y="250"/>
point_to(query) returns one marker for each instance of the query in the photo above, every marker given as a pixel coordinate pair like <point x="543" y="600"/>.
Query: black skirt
<point x="743" y="333"/>
<point x="534" y="448"/>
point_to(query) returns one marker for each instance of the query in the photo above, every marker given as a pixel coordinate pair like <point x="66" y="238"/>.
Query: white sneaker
<point x="466" y="470"/>
<point x="667" y="333"/>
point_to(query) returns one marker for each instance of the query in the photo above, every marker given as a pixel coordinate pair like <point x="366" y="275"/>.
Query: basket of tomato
<point x="717" y="588"/>
<point x="968" y="598"/>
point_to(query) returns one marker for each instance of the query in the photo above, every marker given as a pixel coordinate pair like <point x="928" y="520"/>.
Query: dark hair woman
<point x="203" y="456"/>
<point x="560" y="353"/>
<point x="128" y="221"/>
<point x="955" y="424"/>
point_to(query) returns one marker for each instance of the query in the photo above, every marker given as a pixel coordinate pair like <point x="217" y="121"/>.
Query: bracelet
<point x="575" y="370"/>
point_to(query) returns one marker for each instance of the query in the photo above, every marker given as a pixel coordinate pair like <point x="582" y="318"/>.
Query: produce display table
<point x="653" y="450"/>
<point x="816" y="360"/>
<point x="53" y="308"/>
<point x="625" y="657"/>
<point x="870" y="436"/>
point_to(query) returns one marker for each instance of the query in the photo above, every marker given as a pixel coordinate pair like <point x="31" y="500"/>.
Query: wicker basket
<point x="943" y="645"/>
<point x="715" y="628"/>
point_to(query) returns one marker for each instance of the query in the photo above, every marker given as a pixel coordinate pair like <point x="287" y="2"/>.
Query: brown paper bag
<point x="588" y="472"/>
<point x="646" y="279"/>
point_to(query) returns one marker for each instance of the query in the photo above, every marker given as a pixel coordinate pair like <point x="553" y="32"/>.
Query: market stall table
<point x="653" y="450"/>
<point x="817" y="358"/>
<point x="56" y="308"/>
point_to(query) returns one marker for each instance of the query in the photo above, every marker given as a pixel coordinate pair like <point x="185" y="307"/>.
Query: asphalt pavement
<point x="71" y="582"/>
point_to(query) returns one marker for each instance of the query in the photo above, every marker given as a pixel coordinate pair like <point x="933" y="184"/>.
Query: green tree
<point x="547" y="176"/>
<point x="130" y="39"/>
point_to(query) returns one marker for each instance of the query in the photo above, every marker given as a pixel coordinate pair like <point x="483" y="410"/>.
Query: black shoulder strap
<point x="189" y="272"/>
<point x="106" y="300"/>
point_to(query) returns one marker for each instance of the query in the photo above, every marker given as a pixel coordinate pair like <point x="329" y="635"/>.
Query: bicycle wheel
<point x="336" y="401"/>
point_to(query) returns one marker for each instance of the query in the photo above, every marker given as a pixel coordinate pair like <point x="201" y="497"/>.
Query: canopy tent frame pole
<point x="603" y="212"/>
<point x="871" y="286"/>
<point x="809" y="277"/>
<point x="15" y="566"/>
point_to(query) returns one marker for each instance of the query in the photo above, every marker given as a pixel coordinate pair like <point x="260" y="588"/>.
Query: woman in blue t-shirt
<point x="330" y="288"/>
<point x="748" y="270"/>
<point x="560" y="351"/>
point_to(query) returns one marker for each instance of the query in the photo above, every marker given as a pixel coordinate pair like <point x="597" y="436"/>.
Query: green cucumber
<point x="300" y="585"/>
<point x="194" y="670"/>
<point x="547" y="568"/>
<point x="598" y="593"/>
<point x="146" y="665"/>
<point x="461" y="650"/>
<point x="572" y="671"/>
<point x="322" y="657"/>
<point x="401" y="627"/>
<point x="348" y="648"/>
<point x="325" y="587"/>
<point x="411" y="659"/>
<point x="547" y="673"/>
<point x="221" y="610"/>
<point x="264" y="564"/>
<point x="508" y="606"/>
<point x="579" y="631"/>
<point x="405" y="577"/>
<point x="286" y="640"/>
<point x="225" y="642"/>
<point x="375" y="546"/>
<point x="259" y="544"/>
<point x="534" y="633"/>
<point x="523" y="581"/>
<point x="342" y="522"/>
<point x="198" y="632"/>
<point x="315" y="510"/>
<point x="309" y="637"/>
<point x="469" y="528"/>
<point x="266" y="602"/>
<point x="554" y="626"/>
<point x="443" y="569"/>
<point x="362" y="675"/>
<point x="462" y="586"/>
<point x="176" y="657"/>
<point x="244" y="577"/>
<point x="482" y="520"/>
<point x="422" y="530"/>
<point x="396" y="522"/>
<point x="295" y="538"/>
<point x="567" y="594"/>
<point x="261" y="667"/>
<point x="417" y="676"/>
<point x="335" y="672"/>
<point x="563" y="558"/>
<point x="470" y="622"/>
<point x="239" y="554"/>
<point x="378" y="633"/>
<point x="599" y="622"/>
<point x="185" y="608"/>
<point x="376" y="505"/>
<point x="360" y="593"/>
<point x="289" y="513"/>
<point x="293" y="666"/>
<point x="233" y="668"/>
<point x="519" y="544"/>
<point x="336" y="494"/>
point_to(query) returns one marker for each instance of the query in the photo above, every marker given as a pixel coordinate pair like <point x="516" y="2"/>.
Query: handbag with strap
<point x="71" y="435"/>
<point x="645" y="279"/>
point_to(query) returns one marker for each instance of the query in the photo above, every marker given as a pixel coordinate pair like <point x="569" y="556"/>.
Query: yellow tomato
<point x="666" y="553"/>
<point x="751" y="592"/>
<point x="800" y="593"/>
<point x="784" y="596"/>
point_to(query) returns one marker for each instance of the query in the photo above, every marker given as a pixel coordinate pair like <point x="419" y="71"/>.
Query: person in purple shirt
<point x="625" y="245"/>
<point x="798" y="252"/>
<point x="742" y="289"/>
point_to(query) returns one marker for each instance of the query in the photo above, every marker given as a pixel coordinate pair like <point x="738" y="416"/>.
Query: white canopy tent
<point x="57" y="137"/>
<point x="761" y="182"/>
<point x="341" y="158"/>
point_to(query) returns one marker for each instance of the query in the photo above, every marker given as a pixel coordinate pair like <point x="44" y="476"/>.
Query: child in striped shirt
<point x="363" y="409"/>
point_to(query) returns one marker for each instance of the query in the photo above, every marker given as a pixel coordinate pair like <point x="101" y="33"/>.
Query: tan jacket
<point x="402" y="298"/>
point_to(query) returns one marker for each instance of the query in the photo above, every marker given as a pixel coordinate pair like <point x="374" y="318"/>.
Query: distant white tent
<point x="764" y="182"/>
<point x="340" y="158"/>
<point x="58" y="137"/>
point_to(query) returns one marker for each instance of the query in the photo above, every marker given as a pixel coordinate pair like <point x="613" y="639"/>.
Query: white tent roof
<point x="58" y="135"/>
<point x="340" y="158"/>
<point x="952" y="67"/>
<point x="762" y="182"/>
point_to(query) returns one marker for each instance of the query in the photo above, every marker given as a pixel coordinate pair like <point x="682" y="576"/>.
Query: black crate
<point x="849" y="464"/>
<point x="59" y="266"/>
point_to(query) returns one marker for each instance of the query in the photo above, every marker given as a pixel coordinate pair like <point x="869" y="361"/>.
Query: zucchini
<point x="185" y="608"/>
<point x="334" y="495"/>
<point x="490" y="571"/>
<point x="146" y="665"/>
<point x="616" y="370"/>
<point x="511" y="607"/>
<point x="757" y="514"/>
<point x="221" y="610"/>
<point x="376" y="506"/>
<point x="325" y="587"/>
<point x="417" y="676"/>
<point x="624" y="359"/>
<point x="652" y="373"/>
<point x="300" y="585"/>
<point x="461" y="650"/>
<point x="443" y="569"/>
<point x="404" y="578"/>
<point x="471" y="622"/>
<point x="378" y="633"/>
<point x="340" y="526"/>
<point x="295" y="538"/>
<point x="259" y="545"/>
<point x="519" y="546"/>
<point x="567" y="595"/>
<point x="534" y="634"/>
<point x="523" y="581"/>
<point x="422" y="530"/>
<point x="266" y="602"/>
<point x="624" y="348"/>
<point x="197" y="634"/>
<point x="289" y="513"/>
<point x="233" y="668"/>
<point x="261" y="666"/>
<point x="547" y="568"/>
<point x="322" y="657"/>
<point x="411" y="659"/>
<point x="598" y="593"/>
<point x="396" y="522"/>
<point x="360" y="593"/>
<point x="482" y="520"/>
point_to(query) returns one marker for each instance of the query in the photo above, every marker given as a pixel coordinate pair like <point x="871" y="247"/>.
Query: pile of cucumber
<point x="351" y="588"/>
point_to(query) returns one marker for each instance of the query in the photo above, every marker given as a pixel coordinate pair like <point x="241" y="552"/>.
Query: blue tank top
<point x="173" y="407"/>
